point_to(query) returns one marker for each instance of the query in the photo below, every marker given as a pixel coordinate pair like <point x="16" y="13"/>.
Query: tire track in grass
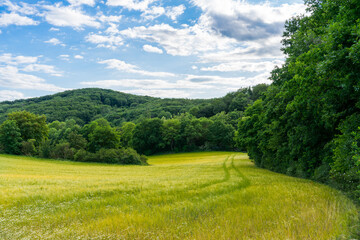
<point x="246" y="181"/>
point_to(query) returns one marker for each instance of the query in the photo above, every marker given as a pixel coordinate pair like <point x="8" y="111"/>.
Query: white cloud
<point x="112" y="30"/>
<point x="180" y="42"/>
<point x="251" y="50"/>
<point x="152" y="49"/>
<point x="54" y="29"/>
<point x="130" y="68"/>
<point x="219" y="82"/>
<point x="81" y="2"/>
<point x="55" y="41"/>
<point x="15" y="19"/>
<point x="64" y="57"/>
<point x="42" y="68"/>
<point x="110" y="19"/>
<point x="22" y="8"/>
<point x="10" y="77"/>
<point x="174" y="12"/>
<point x="69" y="17"/>
<point x="248" y="66"/>
<point x="78" y="57"/>
<point x="8" y="95"/>
<point x="26" y="64"/>
<point x="8" y="59"/>
<point x="153" y="12"/>
<point x="131" y="4"/>
<point x="104" y="40"/>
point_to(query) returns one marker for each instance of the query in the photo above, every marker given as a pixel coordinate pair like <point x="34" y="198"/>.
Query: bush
<point x="28" y="147"/>
<point x="84" y="156"/>
<point x="62" y="151"/>
<point x="120" y="156"/>
<point x="45" y="149"/>
<point x="114" y="156"/>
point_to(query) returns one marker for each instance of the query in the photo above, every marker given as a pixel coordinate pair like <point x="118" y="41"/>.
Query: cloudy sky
<point x="163" y="48"/>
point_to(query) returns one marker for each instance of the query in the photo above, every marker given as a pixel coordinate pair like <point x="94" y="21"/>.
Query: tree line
<point x="307" y="123"/>
<point x="29" y="134"/>
<point x="109" y="138"/>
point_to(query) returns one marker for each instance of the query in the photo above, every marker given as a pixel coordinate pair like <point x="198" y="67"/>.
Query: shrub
<point x="45" y="149"/>
<point x="62" y="151"/>
<point x="84" y="156"/>
<point x="28" y="147"/>
<point x="120" y="156"/>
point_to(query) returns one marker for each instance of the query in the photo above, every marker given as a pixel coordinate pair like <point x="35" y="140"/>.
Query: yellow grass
<point x="213" y="195"/>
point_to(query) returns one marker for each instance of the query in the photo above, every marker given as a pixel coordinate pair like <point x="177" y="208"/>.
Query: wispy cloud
<point x="15" y="19"/>
<point x="12" y="74"/>
<point x="130" y="68"/>
<point x="8" y="95"/>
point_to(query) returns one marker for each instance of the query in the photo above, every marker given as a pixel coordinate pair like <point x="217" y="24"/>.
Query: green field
<point x="213" y="195"/>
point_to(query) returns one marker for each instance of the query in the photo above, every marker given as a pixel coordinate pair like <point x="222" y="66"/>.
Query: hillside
<point x="85" y="105"/>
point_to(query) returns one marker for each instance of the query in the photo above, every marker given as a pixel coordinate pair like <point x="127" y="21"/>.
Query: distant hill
<point x="85" y="105"/>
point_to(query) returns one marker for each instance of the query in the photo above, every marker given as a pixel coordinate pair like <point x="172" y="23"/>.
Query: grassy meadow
<point x="211" y="195"/>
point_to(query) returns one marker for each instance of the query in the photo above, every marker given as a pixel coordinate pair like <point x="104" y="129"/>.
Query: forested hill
<point x="85" y="105"/>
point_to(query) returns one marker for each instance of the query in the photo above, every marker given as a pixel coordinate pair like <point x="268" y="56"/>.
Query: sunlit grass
<point x="213" y="195"/>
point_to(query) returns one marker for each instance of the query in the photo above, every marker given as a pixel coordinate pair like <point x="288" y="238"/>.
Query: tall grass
<point x="214" y="195"/>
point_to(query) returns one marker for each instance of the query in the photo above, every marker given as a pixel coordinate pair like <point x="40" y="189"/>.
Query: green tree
<point x="126" y="134"/>
<point x="103" y="136"/>
<point x="31" y="126"/>
<point x="170" y="133"/>
<point x="221" y="135"/>
<point x="147" y="136"/>
<point x="303" y="125"/>
<point x="10" y="137"/>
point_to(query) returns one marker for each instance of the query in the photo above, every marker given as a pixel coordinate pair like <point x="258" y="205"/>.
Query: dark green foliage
<point x="306" y="123"/>
<point x="45" y="149"/>
<point x="122" y="156"/>
<point x="84" y="156"/>
<point x="76" y="140"/>
<point x="221" y="136"/>
<point x="62" y="151"/>
<point x="170" y="132"/>
<point x="114" y="156"/>
<point x="147" y="136"/>
<point x="345" y="168"/>
<point x="126" y="134"/>
<point x="28" y="147"/>
<point x="10" y="137"/>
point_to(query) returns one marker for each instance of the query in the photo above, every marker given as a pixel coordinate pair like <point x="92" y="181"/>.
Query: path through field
<point x="212" y="195"/>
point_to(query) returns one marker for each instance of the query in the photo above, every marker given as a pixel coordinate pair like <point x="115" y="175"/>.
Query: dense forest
<point x="86" y="105"/>
<point x="307" y="123"/>
<point x="97" y="125"/>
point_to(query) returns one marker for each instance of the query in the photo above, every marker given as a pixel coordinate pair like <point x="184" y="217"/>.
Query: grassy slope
<point x="214" y="195"/>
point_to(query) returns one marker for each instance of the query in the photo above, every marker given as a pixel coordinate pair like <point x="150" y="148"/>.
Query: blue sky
<point x="162" y="48"/>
